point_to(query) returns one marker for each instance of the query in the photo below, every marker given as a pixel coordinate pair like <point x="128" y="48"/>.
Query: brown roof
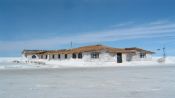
<point x="95" y="48"/>
<point x="98" y="48"/>
<point x="140" y="50"/>
<point x="33" y="51"/>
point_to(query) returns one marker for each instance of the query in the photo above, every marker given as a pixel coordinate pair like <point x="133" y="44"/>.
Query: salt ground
<point x="106" y="80"/>
<point x="8" y="63"/>
<point x="109" y="82"/>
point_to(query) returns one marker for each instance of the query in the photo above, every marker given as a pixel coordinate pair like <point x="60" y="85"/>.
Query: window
<point x="33" y="56"/>
<point x="53" y="56"/>
<point x="65" y="56"/>
<point x="142" y="55"/>
<point x="73" y="55"/>
<point x="59" y="56"/>
<point x="41" y="56"/>
<point x="95" y="55"/>
<point x="80" y="55"/>
<point x="46" y="56"/>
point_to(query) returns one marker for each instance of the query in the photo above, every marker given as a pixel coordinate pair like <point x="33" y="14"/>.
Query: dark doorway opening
<point x="119" y="57"/>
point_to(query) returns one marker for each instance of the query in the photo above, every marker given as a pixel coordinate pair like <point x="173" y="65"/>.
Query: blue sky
<point x="53" y="24"/>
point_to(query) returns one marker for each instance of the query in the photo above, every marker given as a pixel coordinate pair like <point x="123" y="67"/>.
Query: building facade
<point x="94" y="53"/>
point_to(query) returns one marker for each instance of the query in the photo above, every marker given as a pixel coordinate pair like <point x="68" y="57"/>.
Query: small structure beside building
<point x="99" y="53"/>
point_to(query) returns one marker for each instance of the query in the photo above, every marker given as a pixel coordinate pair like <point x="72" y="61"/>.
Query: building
<point x="91" y="54"/>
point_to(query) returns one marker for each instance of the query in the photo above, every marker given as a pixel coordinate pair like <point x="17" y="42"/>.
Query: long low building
<point x="91" y="54"/>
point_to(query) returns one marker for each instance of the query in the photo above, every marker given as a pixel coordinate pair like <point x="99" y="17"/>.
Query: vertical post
<point x="71" y="44"/>
<point x="164" y="52"/>
<point x="162" y="60"/>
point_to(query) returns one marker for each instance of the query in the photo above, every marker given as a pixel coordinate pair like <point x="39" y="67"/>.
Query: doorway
<point x="119" y="57"/>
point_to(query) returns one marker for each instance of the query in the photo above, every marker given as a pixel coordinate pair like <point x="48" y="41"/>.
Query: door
<point x="119" y="57"/>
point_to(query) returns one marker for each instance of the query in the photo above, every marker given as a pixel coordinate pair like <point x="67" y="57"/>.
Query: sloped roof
<point x="97" y="48"/>
<point x="33" y="51"/>
<point x="140" y="50"/>
<point x="92" y="48"/>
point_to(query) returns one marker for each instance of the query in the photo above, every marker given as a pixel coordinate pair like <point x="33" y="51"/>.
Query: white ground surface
<point x="8" y="63"/>
<point x="109" y="82"/>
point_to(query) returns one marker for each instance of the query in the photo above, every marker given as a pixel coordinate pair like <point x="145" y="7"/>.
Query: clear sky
<point x="53" y="24"/>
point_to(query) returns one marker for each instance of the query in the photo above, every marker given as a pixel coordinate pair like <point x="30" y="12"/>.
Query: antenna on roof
<point x="71" y="44"/>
